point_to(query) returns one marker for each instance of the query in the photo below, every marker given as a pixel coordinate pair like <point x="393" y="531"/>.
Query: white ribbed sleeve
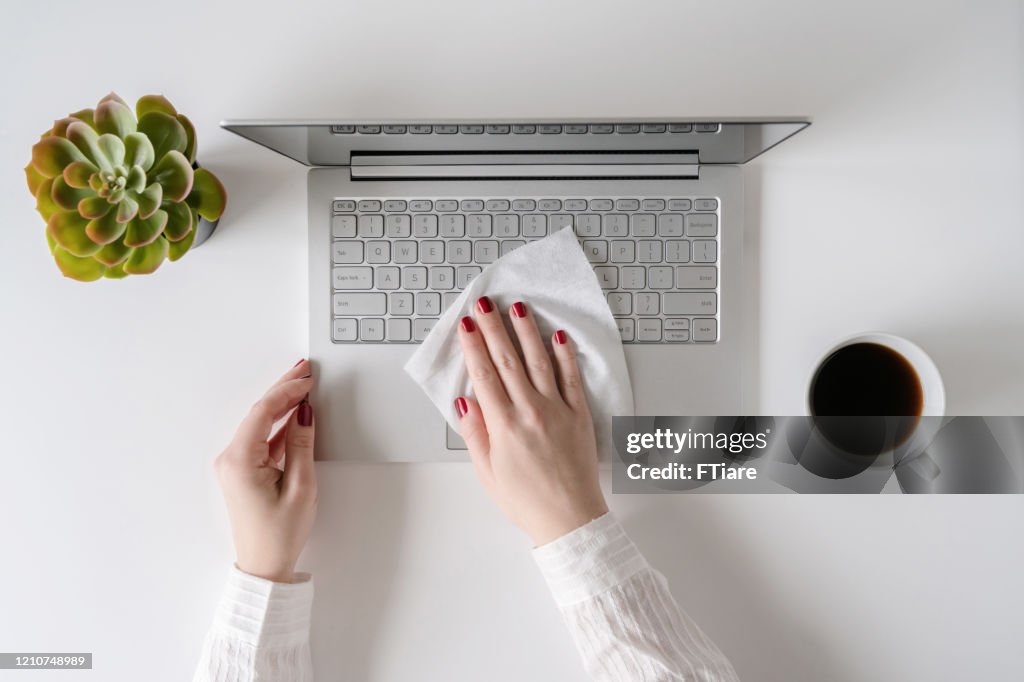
<point x="624" y="621"/>
<point x="260" y="632"/>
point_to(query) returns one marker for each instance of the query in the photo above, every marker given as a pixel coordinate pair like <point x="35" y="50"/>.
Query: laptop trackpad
<point x="454" y="440"/>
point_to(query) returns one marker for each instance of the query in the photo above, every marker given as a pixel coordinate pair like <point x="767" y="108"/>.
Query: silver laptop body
<point x="402" y="215"/>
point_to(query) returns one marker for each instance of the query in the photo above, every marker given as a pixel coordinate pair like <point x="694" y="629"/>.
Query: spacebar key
<point x="360" y="303"/>
<point x="690" y="304"/>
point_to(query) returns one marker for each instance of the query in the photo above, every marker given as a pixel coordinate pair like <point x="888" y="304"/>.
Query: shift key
<point x="361" y="303"/>
<point x="689" y="304"/>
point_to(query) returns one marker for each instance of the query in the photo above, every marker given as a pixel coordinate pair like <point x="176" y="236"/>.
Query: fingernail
<point x="484" y="304"/>
<point x="461" y="406"/>
<point x="561" y="337"/>
<point x="468" y="325"/>
<point x="305" y="413"/>
<point x="519" y="309"/>
<point x="298" y="363"/>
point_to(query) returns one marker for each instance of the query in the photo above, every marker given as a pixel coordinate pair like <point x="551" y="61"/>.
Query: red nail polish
<point x="467" y="324"/>
<point x="298" y="363"/>
<point x="484" y="304"/>
<point x="561" y="337"/>
<point x="461" y="406"/>
<point x="305" y="413"/>
<point x="519" y="309"/>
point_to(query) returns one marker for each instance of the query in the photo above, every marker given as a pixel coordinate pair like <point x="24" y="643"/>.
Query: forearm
<point x="624" y="621"/>
<point x="260" y="632"/>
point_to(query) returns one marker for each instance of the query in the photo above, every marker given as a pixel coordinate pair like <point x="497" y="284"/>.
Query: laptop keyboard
<point x="397" y="264"/>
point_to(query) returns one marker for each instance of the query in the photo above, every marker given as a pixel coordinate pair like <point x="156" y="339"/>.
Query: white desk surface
<point x="900" y="209"/>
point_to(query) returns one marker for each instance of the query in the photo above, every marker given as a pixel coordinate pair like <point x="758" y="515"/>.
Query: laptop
<point x="403" y="214"/>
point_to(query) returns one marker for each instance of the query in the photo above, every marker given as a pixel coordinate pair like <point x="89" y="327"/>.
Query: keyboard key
<point x="653" y="127"/>
<point x="588" y="225"/>
<point x="446" y="205"/>
<point x="397" y="226"/>
<point x="424" y="226"/>
<point x="360" y="303"/>
<point x="627" y="128"/>
<point x="352" y="278"/>
<point x="506" y="225"/>
<point x="511" y="245"/>
<point x="400" y="303"/>
<point x="345" y="329"/>
<point x="497" y="129"/>
<point x="701" y="225"/>
<point x="597" y="251"/>
<point x="343" y="130"/>
<point x="535" y="225"/>
<point x="549" y="205"/>
<point x="421" y="205"/>
<point x="452" y="225"/>
<point x="627" y="205"/>
<point x="648" y="251"/>
<point x="478" y="225"/>
<point x="660" y="277"/>
<point x="706" y="127"/>
<point x="414" y="277"/>
<point x="679" y="204"/>
<point x="459" y="252"/>
<point x="654" y="204"/>
<point x="378" y="252"/>
<point x="343" y="226"/>
<point x="648" y="329"/>
<point x="601" y="128"/>
<point x="496" y="205"/>
<point x="405" y="252"/>
<point x="608" y="277"/>
<point x="626" y="327"/>
<point x="465" y="275"/>
<point x="620" y="303"/>
<point x="642" y="225"/>
<point x="368" y="130"/>
<point x="420" y="129"/>
<point x="441" y="277"/>
<point x="471" y="205"/>
<point x="677" y="335"/>
<point x="677" y="251"/>
<point x="448" y="298"/>
<point x="388" y="277"/>
<point x="632" y="277"/>
<point x="680" y="127"/>
<point x="696" y="277"/>
<point x="369" y="205"/>
<point x="601" y="204"/>
<point x="559" y="221"/>
<point x="615" y="225"/>
<point x="647" y="303"/>
<point x="394" y="205"/>
<point x="399" y="330"/>
<point x="576" y="128"/>
<point x="421" y="328"/>
<point x="549" y="129"/>
<point x="685" y="303"/>
<point x="371" y="329"/>
<point x="428" y="303"/>
<point x="432" y="252"/>
<point x="670" y="225"/>
<point x="524" y="205"/>
<point x="677" y="323"/>
<point x="343" y="206"/>
<point x="705" y="330"/>
<point x="371" y="226"/>
<point x="485" y="251"/>
<point x="575" y="204"/>
<point x="446" y="129"/>
<point x="705" y="251"/>
<point x="471" y="129"/>
<point x="706" y="205"/>
<point x="524" y="129"/>
<point x="347" y="252"/>
<point x="623" y="252"/>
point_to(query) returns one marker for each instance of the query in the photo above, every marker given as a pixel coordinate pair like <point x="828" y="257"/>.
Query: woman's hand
<point x="530" y="436"/>
<point x="269" y="482"/>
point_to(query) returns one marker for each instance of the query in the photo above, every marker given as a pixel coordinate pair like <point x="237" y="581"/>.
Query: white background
<point x="900" y="209"/>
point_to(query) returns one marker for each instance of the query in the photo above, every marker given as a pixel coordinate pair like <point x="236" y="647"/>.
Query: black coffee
<point x="866" y="380"/>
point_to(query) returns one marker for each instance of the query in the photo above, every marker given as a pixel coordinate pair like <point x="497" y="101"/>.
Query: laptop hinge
<point x="518" y="165"/>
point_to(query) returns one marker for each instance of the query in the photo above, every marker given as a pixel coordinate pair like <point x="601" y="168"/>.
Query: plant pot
<point x="205" y="228"/>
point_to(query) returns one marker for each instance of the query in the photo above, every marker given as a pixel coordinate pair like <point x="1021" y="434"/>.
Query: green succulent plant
<point x="118" y="190"/>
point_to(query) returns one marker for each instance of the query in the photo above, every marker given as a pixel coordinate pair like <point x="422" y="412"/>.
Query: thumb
<point x="299" y="472"/>
<point x="474" y="431"/>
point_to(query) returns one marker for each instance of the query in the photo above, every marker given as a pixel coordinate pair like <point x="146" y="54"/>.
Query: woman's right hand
<point x="530" y="434"/>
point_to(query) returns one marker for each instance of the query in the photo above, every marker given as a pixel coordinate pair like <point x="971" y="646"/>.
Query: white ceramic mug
<point x="933" y="393"/>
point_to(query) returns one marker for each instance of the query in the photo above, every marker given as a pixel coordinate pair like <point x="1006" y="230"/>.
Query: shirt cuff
<point x="588" y="561"/>
<point x="264" y="613"/>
